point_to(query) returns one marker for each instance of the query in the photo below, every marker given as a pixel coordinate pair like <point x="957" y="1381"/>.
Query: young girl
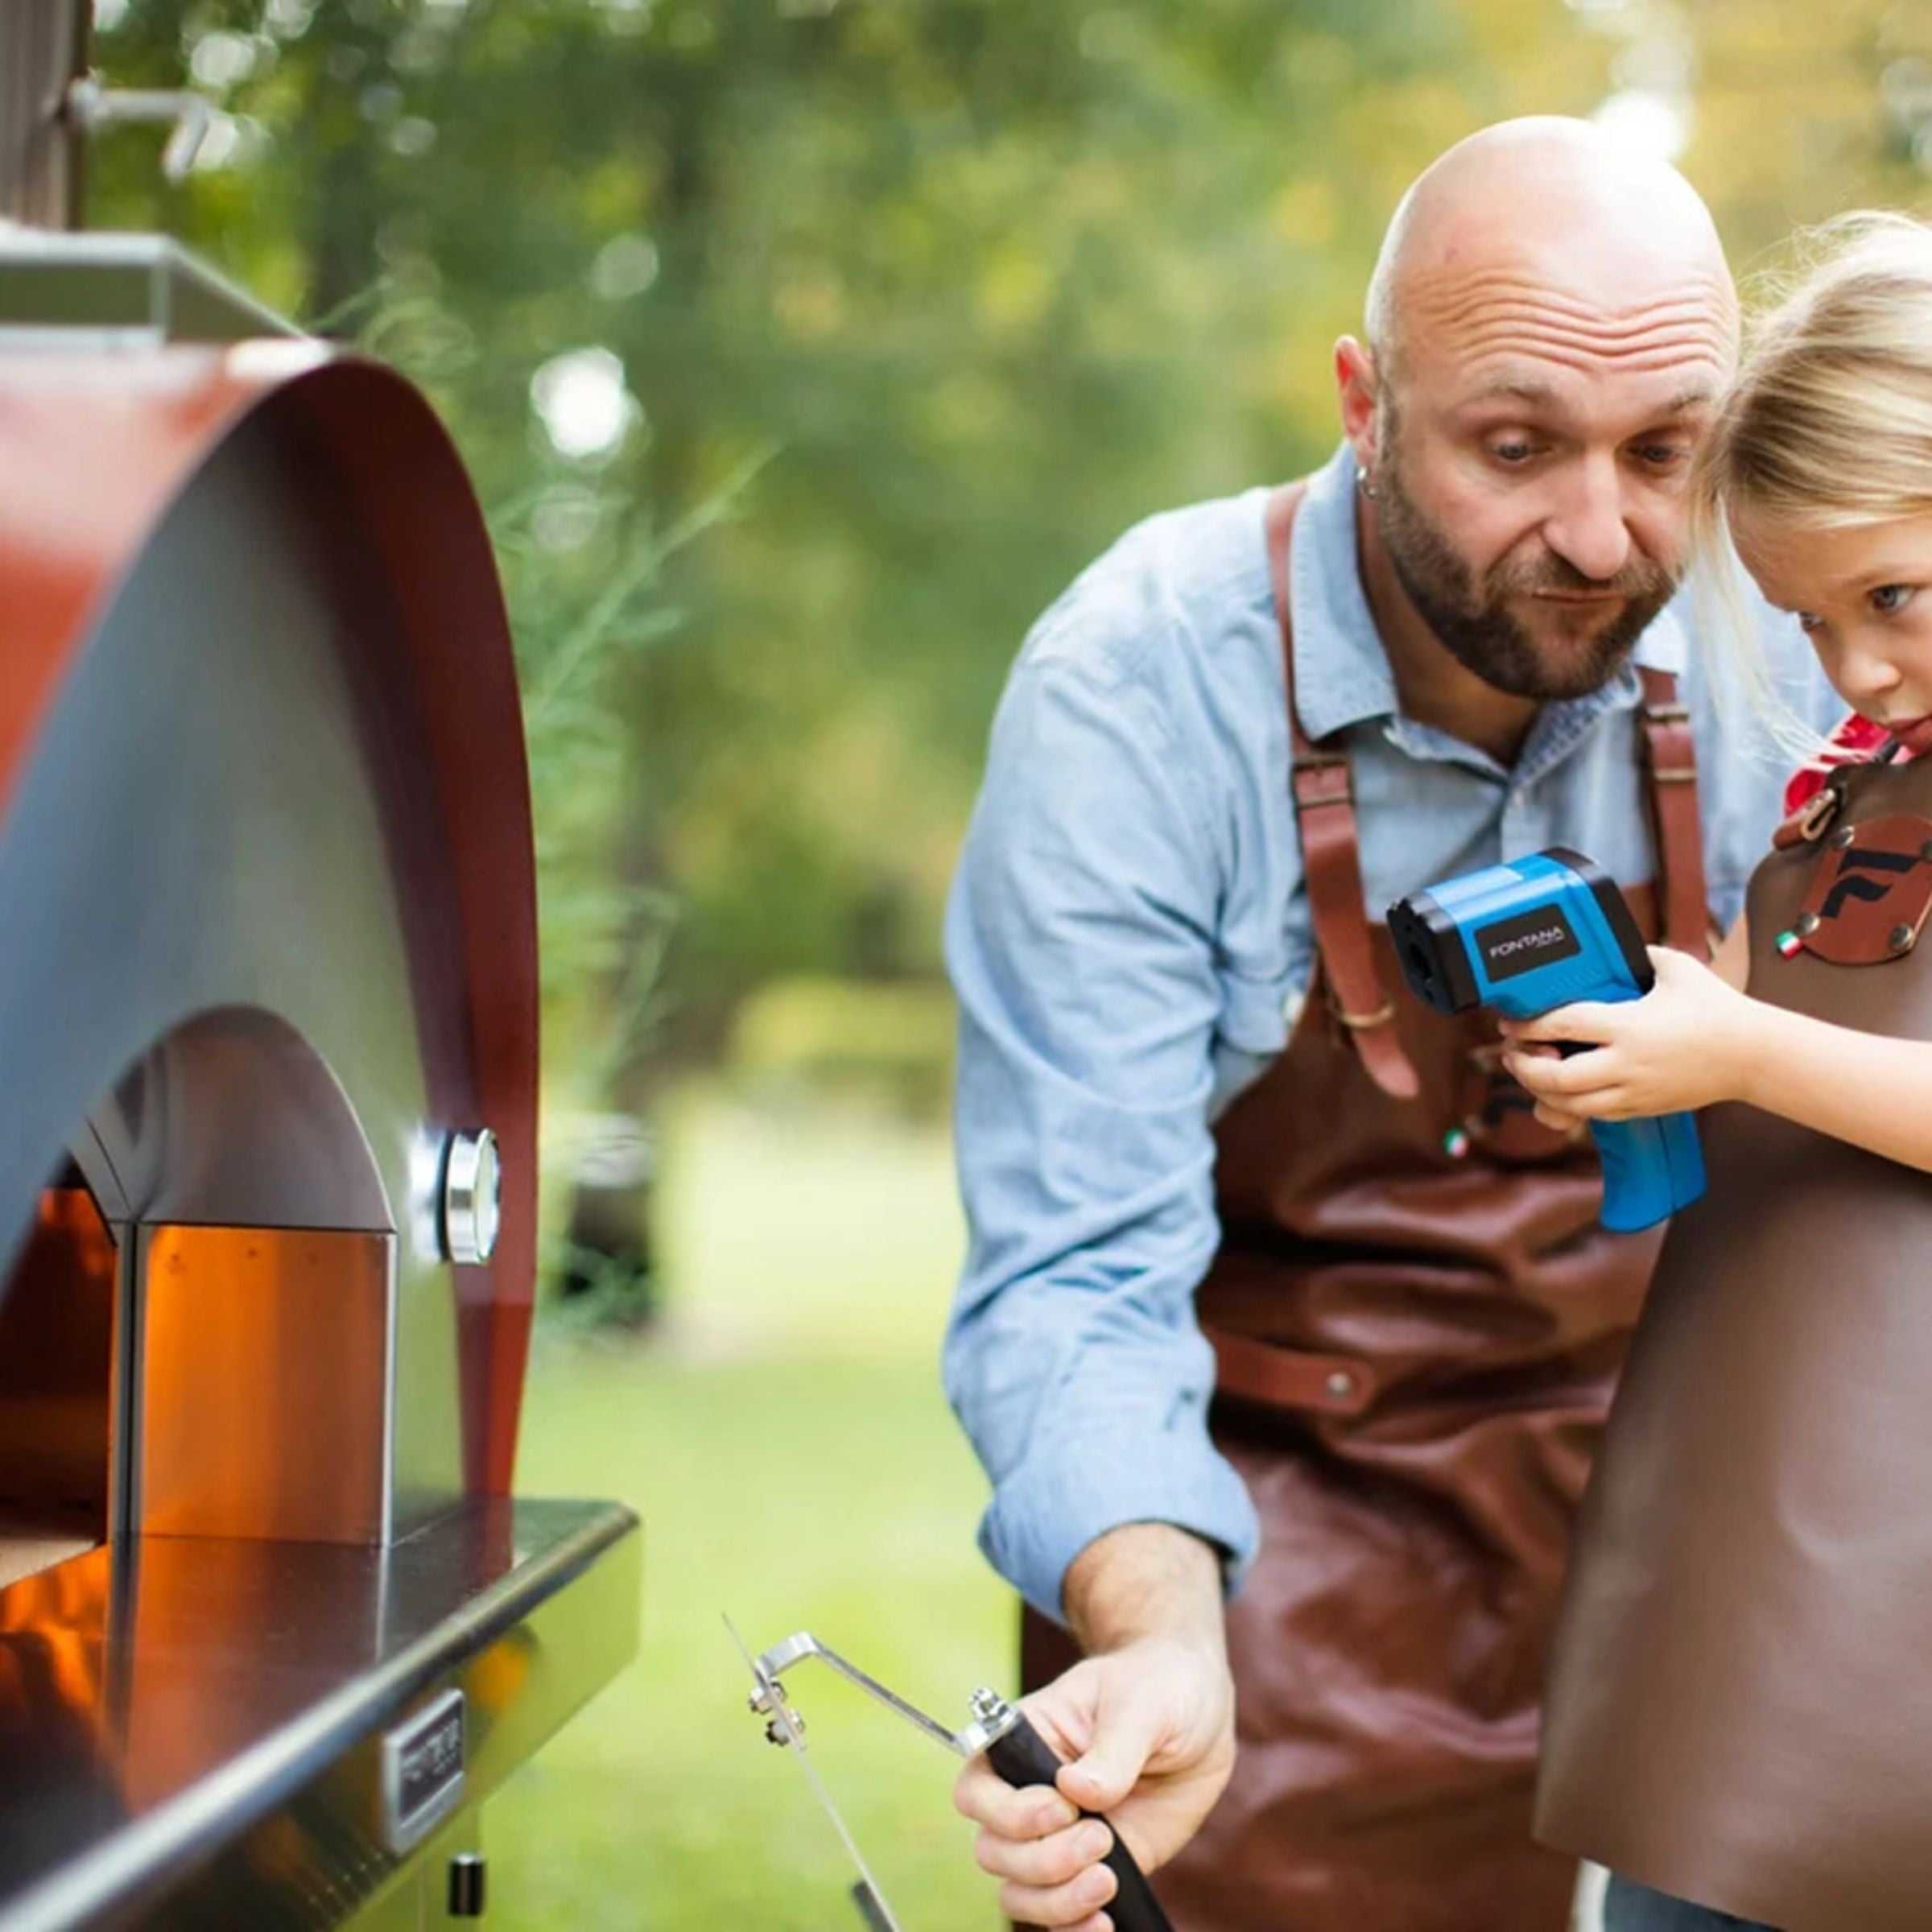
<point x="1739" y="1709"/>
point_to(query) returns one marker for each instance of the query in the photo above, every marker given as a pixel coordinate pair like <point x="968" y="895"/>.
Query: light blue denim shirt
<point x="1128" y="936"/>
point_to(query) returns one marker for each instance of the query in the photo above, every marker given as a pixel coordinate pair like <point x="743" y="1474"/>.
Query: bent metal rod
<point x="997" y="1728"/>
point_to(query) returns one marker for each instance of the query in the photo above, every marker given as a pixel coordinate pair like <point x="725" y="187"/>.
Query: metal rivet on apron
<point x="1807" y="925"/>
<point x="1901" y="938"/>
<point x="1341" y="1382"/>
<point x="1843" y="839"/>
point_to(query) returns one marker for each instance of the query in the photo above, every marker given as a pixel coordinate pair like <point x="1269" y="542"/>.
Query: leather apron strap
<point x="1670" y="764"/>
<point x="1331" y="865"/>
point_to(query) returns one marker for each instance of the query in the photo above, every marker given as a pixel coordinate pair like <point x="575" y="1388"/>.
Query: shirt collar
<point x="1341" y="670"/>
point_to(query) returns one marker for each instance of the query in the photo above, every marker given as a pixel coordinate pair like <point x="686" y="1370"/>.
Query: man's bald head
<point x="1548" y="199"/>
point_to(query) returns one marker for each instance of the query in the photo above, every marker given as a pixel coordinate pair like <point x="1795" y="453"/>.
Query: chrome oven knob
<point x="472" y="1197"/>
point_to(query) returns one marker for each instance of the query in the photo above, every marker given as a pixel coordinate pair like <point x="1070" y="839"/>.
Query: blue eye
<point x="1889" y="599"/>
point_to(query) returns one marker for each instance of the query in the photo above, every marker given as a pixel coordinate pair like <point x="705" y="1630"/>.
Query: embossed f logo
<point x="1855" y="884"/>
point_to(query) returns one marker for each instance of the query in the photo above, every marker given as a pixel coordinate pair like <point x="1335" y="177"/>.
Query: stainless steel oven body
<point x="270" y="1624"/>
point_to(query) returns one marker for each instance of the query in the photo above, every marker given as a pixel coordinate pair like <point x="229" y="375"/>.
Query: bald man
<point x="1286" y="1332"/>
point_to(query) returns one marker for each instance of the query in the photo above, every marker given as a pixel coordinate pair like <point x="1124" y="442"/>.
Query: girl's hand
<point x="1547" y="1111"/>
<point x="1687" y="1043"/>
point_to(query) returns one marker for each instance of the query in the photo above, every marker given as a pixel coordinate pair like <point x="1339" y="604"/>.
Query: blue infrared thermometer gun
<point x="1534" y="935"/>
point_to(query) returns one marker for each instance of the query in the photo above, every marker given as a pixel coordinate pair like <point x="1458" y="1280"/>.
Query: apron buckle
<point x="1356" y="1021"/>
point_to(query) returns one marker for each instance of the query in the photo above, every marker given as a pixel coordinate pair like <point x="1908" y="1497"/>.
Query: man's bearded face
<point x="1509" y="628"/>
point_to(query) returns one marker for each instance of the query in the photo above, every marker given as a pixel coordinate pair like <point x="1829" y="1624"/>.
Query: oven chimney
<point x="43" y="53"/>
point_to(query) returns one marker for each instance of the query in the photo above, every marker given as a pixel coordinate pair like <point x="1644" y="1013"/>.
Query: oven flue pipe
<point x="43" y="53"/>
<point x="50" y="104"/>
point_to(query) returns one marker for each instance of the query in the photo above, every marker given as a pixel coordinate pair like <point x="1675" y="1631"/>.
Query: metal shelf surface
<point x="191" y="1728"/>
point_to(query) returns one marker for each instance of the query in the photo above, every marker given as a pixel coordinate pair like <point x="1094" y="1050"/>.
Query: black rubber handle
<point x="1023" y="1757"/>
<point x="869" y="1908"/>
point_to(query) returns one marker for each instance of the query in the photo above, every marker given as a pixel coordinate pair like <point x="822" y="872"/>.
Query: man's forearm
<point x="1145" y="1580"/>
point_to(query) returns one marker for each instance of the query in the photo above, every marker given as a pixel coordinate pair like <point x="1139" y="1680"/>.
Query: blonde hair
<point x="1829" y="424"/>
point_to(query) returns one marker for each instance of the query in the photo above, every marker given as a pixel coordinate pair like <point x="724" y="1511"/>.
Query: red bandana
<point x="1852" y="743"/>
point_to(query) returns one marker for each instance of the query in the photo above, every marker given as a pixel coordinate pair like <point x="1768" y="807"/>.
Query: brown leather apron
<point x="1416" y="1349"/>
<point x="1739" y="1706"/>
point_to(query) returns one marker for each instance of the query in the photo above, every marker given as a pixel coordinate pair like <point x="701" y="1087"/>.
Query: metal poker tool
<point x="1015" y="1750"/>
<point x="784" y="1725"/>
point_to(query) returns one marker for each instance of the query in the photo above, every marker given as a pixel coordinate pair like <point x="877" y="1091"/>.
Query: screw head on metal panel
<point x="472" y="1196"/>
<point x="468" y="1886"/>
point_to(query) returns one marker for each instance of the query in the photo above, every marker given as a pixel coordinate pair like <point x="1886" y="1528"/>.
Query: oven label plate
<point x="422" y="1769"/>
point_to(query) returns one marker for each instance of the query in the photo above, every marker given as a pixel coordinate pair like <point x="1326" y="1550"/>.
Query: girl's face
<point x="1864" y="599"/>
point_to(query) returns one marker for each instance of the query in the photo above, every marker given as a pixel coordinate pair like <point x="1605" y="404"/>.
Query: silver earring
<point x="1366" y="484"/>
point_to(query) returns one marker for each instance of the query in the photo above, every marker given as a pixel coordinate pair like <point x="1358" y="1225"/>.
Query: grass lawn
<point x="787" y="1446"/>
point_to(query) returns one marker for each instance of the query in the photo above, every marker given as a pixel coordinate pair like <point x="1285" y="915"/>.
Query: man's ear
<point x="1355" y="381"/>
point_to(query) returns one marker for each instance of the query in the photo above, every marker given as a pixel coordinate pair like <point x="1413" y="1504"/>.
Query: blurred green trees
<point x="969" y="284"/>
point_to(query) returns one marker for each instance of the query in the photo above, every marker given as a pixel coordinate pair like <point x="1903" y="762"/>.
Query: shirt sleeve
<point x="1080" y="937"/>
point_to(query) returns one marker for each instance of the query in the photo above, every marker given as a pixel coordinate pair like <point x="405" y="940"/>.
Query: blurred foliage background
<point x="968" y="284"/>
<point x="801" y="351"/>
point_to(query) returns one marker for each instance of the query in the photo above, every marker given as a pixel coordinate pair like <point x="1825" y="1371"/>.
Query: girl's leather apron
<point x="1739" y="1704"/>
<point x="1416" y="1350"/>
